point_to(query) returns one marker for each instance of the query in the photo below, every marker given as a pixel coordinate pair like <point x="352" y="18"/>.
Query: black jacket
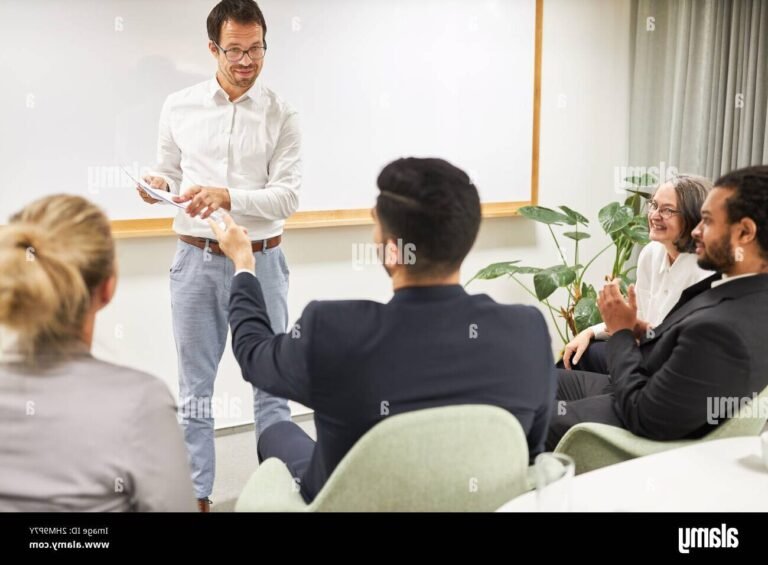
<point x="713" y="345"/>
<point x="355" y="362"/>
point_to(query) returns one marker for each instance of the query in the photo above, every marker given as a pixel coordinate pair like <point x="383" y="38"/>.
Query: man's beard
<point x="718" y="257"/>
<point x="240" y="82"/>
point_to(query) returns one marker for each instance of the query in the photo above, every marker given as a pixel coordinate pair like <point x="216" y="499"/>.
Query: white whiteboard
<point x="373" y="80"/>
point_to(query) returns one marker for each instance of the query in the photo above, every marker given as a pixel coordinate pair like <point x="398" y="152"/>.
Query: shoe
<point x="204" y="504"/>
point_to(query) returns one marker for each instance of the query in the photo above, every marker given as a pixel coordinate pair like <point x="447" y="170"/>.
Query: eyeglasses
<point x="665" y="212"/>
<point x="235" y="54"/>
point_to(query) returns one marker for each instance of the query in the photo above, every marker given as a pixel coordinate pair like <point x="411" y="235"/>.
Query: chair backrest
<point x="453" y="458"/>
<point x="749" y="421"/>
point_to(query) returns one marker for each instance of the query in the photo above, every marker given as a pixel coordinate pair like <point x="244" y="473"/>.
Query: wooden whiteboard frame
<point x="125" y="229"/>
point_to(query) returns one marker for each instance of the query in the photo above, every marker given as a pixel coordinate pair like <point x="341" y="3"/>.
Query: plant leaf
<point x="547" y="281"/>
<point x="560" y="269"/>
<point x="546" y="215"/>
<point x="588" y="291"/>
<point x="544" y="284"/>
<point x="576" y="235"/>
<point x="630" y="275"/>
<point x="586" y="313"/>
<point x="636" y="200"/>
<point x="525" y="271"/>
<point x="646" y="195"/>
<point x="615" y="216"/>
<point x="494" y="271"/>
<point x="574" y="215"/>
<point x="637" y="232"/>
<point x="626" y="280"/>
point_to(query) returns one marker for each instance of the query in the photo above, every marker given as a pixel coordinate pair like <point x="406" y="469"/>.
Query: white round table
<point x="726" y="475"/>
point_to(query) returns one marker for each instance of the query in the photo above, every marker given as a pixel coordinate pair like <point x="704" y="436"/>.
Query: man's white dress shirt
<point x="250" y="146"/>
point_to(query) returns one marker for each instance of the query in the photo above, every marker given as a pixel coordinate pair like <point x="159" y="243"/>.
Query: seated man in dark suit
<point x="712" y="345"/>
<point x="354" y="362"/>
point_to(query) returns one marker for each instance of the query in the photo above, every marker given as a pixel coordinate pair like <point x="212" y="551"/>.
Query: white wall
<point x="584" y="125"/>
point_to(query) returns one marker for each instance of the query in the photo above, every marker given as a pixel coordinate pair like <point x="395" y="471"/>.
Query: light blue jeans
<point x="200" y="286"/>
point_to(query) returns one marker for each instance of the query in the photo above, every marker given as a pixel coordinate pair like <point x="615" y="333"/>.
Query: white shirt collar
<point x="215" y="88"/>
<point x="664" y="266"/>
<point x="726" y="279"/>
<point x="681" y="258"/>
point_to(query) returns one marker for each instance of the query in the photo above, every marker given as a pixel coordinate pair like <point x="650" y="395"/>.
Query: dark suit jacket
<point x="712" y="345"/>
<point x="356" y="361"/>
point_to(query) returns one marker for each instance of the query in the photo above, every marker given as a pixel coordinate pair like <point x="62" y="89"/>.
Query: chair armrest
<point x="530" y="478"/>
<point x="271" y="488"/>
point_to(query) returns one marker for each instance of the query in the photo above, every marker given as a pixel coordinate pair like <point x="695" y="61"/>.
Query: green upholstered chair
<point x="593" y="446"/>
<point x="453" y="458"/>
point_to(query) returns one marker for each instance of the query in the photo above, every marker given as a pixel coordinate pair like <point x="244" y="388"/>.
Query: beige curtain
<point x="699" y="99"/>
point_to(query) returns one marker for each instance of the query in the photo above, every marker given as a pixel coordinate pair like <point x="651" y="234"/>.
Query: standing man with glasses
<point x="242" y="141"/>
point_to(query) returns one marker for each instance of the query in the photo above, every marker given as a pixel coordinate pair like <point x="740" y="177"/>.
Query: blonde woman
<point x="665" y="267"/>
<point x="77" y="434"/>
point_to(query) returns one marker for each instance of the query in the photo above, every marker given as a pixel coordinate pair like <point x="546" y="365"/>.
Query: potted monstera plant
<point x="625" y="225"/>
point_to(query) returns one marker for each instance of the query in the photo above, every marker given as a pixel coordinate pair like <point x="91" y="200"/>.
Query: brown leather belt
<point x="213" y="246"/>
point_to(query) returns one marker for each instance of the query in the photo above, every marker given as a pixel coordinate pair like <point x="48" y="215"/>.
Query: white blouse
<point x="659" y="284"/>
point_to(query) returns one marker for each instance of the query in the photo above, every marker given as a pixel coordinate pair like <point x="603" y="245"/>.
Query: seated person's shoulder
<point x="715" y="327"/>
<point x="511" y="311"/>
<point x="333" y="312"/>
<point x="652" y="250"/>
<point x="129" y="383"/>
<point x="513" y="315"/>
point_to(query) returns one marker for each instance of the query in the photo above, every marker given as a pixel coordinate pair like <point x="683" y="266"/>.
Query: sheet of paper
<point x="166" y="197"/>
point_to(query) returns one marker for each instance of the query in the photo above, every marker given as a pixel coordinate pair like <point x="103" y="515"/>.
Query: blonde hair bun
<point x="52" y="255"/>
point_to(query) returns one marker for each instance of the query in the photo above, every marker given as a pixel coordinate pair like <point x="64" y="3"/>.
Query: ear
<point x="106" y="290"/>
<point x="213" y="49"/>
<point x="746" y="230"/>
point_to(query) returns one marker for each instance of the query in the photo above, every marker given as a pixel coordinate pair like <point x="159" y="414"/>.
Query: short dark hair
<point x="432" y="205"/>
<point x="240" y="11"/>
<point x="749" y="199"/>
<point x="691" y="192"/>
